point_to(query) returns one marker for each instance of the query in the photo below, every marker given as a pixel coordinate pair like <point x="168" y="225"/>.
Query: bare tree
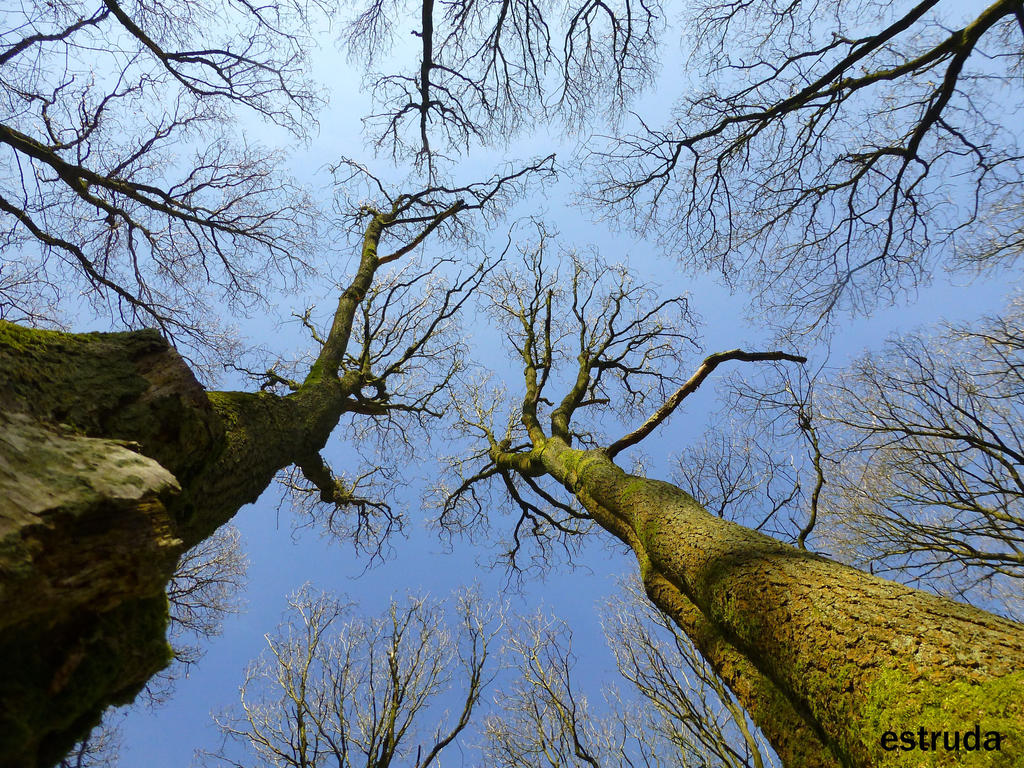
<point x="543" y="720"/>
<point x="807" y="645"/>
<point x="485" y="69"/>
<point x="334" y="687"/>
<point x="815" y="157"/>
<point x="682" y="717"/>
<point x="560" y="301"/>
<point x="168" y="462"/>
<point x="121" y="177"/>
<point x="928" y="432"/>
<point x="695" y="713"/>
<point x="100" y="749"/>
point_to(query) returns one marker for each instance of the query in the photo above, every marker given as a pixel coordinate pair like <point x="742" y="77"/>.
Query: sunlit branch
<point x="706" y="368"/>
<point x="810" y="432"/>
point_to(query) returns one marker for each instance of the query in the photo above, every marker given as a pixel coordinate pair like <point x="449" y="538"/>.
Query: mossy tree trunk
<point x="825" y="657"/>
<point x="113" y="461"/>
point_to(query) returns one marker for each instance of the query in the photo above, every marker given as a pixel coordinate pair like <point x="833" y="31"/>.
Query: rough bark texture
<point x="851" y="655"/>
<point x="113" y="461"/>
<point x="87" y="526"/>
<point x="132" y="463"/>
<point x="86" y="546"/>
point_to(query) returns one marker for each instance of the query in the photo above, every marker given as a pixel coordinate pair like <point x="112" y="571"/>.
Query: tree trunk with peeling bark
<point x="825" y="657"/>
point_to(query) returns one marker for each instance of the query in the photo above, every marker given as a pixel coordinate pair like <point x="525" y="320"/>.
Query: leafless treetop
<point x="596" y="346"/>
<point x="122" y="178"/>
<point x="482" y="70"/>
<point x="929" y="476"/>
<point x="832" y="153"/>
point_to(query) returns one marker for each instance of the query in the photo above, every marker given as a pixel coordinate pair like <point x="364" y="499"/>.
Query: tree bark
<point x="88" y="525"/>
<point x="113" y="461"/>
<point x="825" y="657"/>
<point x="86" y="546"/>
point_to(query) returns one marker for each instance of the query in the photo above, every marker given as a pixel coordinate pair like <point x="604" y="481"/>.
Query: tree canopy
<point x="828" y="158"/>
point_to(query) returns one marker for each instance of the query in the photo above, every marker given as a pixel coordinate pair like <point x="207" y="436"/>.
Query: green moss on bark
<point x="222" y="448"/>
<point x="907" y="701"/>
<point x="815" y="632"/>
<point x="58" y="679"/>
<point x="88" y="526"/>
<point x="129" y="386"/>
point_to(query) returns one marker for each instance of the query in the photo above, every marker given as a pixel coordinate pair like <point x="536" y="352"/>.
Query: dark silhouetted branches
<point x="736" y="475"/>
<point x="123" y="179"/>
<point x="817" y="157"/>
<point x="352" y="510"/>
<point x="100" y="749"/>
<point x="205" y="588"/>
<point x="483" y="70"/>
<point x="764" y="462"/>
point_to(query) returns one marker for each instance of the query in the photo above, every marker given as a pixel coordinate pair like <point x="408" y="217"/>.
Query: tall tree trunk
<point x="113" y="461"/>
<point x="96" y="431"/>
<point x="808" y="645"/>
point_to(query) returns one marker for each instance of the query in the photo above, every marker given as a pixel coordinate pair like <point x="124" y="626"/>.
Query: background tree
<point x="684" y="717"/>
<point x="928" y="484"/>
<point x="168" y="462"/>
<point x="693" y="710"/>
<point x="336" y="687"/>
<point x="124" y="176"/>
<point x="909" y="459"/>
<point x="485" y="70"/>
<point x="544" y="719"/>
<point x="775" y="622"/>
<point x="815" y="157"/>
<point x="765" y="459"/>
<point x="736" y="475"/>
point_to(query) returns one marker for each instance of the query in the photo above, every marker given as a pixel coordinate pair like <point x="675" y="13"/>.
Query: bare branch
<point x="339" y="687"/>
<point x="706" y="368"/>
<point x="482" y="71"/>
<point x="811" y="433"/>
<point x="813" y="161"/>
<point x="98" y="194"/>
<point x="930" y="473"/>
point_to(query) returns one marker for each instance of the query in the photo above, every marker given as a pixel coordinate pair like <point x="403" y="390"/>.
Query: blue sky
<point x="280" y="562"/>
